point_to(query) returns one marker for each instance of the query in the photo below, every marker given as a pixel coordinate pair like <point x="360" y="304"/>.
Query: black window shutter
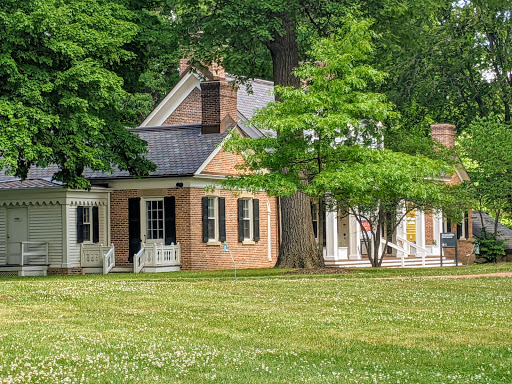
<point x="240" y="221"/>
<point x="256" y="219"/>
<point x="205" y="219"/>
<point x="79" y="224"/>
<point x="170" y="219"/>
<point x="459" y="231"/>
<point x="95" y="225"/>
<point x="466" y="224"/>
<point x="133" y="227"/>
<point x="222" y="219"/>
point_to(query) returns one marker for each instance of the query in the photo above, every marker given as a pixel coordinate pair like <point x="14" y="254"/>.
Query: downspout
<point x="269" y="244"/>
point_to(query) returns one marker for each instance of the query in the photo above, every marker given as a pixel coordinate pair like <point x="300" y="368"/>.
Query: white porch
<point x="97" y="258"/>
<point x="25" y="258"/>
<point x="345" y="248"/>
<point x="157" y="258"/>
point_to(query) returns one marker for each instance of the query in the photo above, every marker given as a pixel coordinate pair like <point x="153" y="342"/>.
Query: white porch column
<point x="437" y="229"/>
<point x="331" y="235"/>
<point x="401" y="232"/>
<point x="420" y="230"/>
<point x="354" y="238"/>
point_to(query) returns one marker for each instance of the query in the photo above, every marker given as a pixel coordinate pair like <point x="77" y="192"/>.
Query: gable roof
<point x="176" y="150"/>
<point x="256" y="94"/>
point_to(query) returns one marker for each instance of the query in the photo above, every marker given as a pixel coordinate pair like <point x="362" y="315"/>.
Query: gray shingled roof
<point x="29" y="183"/>
<point x="261" y="95"/>
<point x="176" y="150"/>
<point x="504" y="233"/>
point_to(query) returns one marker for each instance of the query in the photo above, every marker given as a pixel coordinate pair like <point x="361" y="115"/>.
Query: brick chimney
<point x="444" y="133"/>
<point x="184" y="64"/>
<point x="218" y="106"/>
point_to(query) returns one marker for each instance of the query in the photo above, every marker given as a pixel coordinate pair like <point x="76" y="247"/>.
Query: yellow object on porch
<point x="411" y="226"/>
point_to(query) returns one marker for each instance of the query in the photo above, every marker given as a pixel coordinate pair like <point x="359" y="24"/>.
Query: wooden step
<point x="393" y="262"/>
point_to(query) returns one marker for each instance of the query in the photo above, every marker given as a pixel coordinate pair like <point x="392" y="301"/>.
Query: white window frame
<point x="214" y="218"/>
<point x="86" y="212"/>
<point x="144" y="220"/>
<point x="249" y="219"/>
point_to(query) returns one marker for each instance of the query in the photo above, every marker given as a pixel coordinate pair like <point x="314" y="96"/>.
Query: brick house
<point x="416" y="241"/>
<point x="165" y="222"/>
<point x="169" y="220"/>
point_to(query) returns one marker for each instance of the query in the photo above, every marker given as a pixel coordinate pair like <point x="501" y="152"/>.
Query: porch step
<point x="92" y="271"/>
<point x="393" y="262"/>
<point x="26" y="270"/>
<point x="122" y="269"/>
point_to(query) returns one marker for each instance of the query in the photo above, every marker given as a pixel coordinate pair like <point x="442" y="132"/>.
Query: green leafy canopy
<point x="61" y="100"/>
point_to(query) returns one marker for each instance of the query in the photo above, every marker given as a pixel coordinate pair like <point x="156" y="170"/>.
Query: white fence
<point x="157" y="255"/>
<point x="27" y="253"/>
<point x="97" y="256"/>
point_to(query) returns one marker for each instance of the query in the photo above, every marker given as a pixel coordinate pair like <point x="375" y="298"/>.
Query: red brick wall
<point x="188" y="112"/>
<point x="444" y="133"/>
<point x="119" y="223"/>
<point x="429" y="229"/>
<point x="224" y="163"/>
<point x="204" y="256"/>
<point x="64" y="271"/>
<point x="196" y="255"/>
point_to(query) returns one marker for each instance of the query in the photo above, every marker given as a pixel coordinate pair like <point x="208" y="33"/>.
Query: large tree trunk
<point x="298" y="247"/>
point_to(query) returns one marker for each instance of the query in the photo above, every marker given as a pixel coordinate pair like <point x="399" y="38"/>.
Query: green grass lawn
<point x="267" y="327"/>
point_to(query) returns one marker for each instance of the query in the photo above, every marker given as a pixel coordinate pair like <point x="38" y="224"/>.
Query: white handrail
<point x="109" y="260"/>
<point x="418" y="247"/>
<point x="139" y="260"/>
<point x="27" y="251"/>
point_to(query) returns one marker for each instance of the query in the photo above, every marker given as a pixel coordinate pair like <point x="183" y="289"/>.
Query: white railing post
<point x="139" y="260"/>
<point x="22" y="248"/>
<point x="109" y="260"/>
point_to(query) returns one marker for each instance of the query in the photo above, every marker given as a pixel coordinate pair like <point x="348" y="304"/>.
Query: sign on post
<point x="449" y="240"/>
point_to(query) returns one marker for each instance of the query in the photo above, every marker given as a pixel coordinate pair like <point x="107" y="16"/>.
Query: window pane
<point x="211" y="229"/>
<point x="87" y="232"/>
<point x="247" y="229"/>
<point x="211" y="207"/>
<point x="245" y="209"/>
<point x="155" y="220"/>
<point x="86" y="215"/>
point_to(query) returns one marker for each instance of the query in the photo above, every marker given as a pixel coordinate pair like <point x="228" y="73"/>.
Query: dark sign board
<point x="448" y="240"/>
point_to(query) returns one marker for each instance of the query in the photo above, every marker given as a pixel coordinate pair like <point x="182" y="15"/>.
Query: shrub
<point x="489" y="246"/>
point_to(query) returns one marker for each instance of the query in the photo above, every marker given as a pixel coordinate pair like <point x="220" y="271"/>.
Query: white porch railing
<point x="157" y="255"/>
<point x="406" y="249"/>
<point x="97" y="256"/>
<point x="139" y="260"/>
<point x="27" y="253"/>
<point x="109" y="260"/>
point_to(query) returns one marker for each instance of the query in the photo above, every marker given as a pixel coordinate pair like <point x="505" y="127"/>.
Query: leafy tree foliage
<point x="486" y="151"/>
<point x="268" y="38"/>
<point x="61" y="101"/>
<point x="328" y="141"/>
<point x="456" y="64"/>
<point x="380" y="187"/>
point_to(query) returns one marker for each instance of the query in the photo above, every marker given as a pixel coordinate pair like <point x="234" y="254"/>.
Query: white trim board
<point x="172" y="101"/>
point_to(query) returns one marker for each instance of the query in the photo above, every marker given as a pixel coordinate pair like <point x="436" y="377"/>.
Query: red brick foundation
<point x="64" y="271"/>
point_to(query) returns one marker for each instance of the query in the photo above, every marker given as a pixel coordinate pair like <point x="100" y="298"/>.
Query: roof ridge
<point x="166" y="128"/>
